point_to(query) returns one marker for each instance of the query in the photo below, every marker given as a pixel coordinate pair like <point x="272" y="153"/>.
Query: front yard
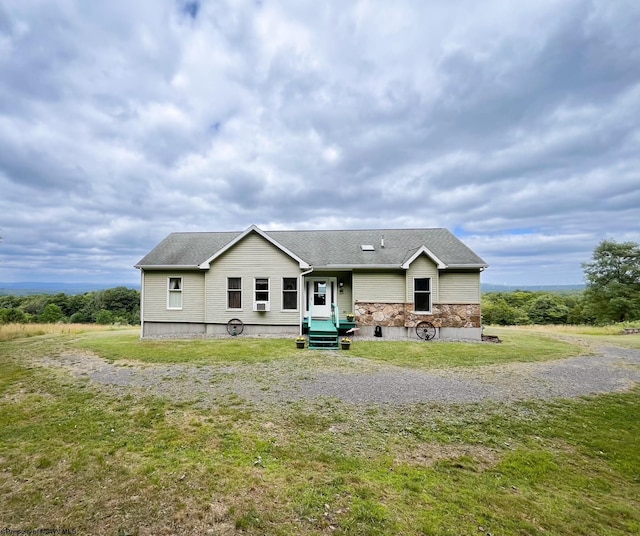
<point x="103" y="457"/>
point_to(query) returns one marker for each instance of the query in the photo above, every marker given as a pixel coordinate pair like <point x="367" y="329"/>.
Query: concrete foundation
<point x="253" y="330"/>
<point x="183" y="329"/>
<point x="168" y="329"/>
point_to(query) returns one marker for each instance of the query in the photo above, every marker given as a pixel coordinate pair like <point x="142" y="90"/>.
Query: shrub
<point x="104" y="317"/>
<point x="12" y="316"/>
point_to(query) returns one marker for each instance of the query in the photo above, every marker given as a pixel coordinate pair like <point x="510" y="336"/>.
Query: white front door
<point x="320" y="295"/>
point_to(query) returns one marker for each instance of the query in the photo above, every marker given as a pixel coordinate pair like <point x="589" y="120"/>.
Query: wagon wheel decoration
<point x="426" y="331"/>
<point x="235" y="327"/>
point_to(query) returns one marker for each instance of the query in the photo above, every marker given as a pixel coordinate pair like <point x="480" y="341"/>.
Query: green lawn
<point x="516" y="346"/>
<point x="520" y="347"/>
<point x="74" y="457"/>
<point x="129" y="346"/>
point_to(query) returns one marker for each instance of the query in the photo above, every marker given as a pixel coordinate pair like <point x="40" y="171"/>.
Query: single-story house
<point x="278" y="282"/>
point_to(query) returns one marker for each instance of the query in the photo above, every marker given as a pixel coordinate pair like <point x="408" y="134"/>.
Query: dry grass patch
<point x="478" y="457"/>
<point x="10" y="332"/>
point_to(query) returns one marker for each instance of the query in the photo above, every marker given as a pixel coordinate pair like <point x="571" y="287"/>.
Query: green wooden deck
<point x="342" y="329"/>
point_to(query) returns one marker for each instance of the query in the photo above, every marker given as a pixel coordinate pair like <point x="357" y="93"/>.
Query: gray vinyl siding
<point x="379" y="287"/>
<point x="253" y="257"/>
<point x="155" y="297"/>
<point x="459" y="287"/>
<point x="423" y="266"/>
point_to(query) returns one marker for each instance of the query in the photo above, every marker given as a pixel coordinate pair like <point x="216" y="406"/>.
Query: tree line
<point x="612" y="294"/>
<point x="119" y="305"/>
<point x="521" y="307"/>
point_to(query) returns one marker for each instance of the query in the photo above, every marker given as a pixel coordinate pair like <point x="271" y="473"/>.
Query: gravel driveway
<point x="356" y="380"/>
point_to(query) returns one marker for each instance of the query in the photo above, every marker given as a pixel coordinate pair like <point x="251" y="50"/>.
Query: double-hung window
<point x="262" y="290"/>
<point x="174" y="293"/>
<point x="290" y="293"/>
<point x="261" y="294"/>
<point x="234" y="293"/>
<point x="422" y="294"/>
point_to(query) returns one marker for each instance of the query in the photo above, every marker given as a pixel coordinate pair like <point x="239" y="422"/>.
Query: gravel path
<point x="361" y="381"/>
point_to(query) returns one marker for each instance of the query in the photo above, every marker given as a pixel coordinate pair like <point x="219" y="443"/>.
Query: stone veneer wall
<point x="402" y="315"/>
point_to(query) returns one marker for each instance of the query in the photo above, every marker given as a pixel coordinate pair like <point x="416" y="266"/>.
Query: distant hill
<point x="28" y="287"/>
<point x="492" y="287"/>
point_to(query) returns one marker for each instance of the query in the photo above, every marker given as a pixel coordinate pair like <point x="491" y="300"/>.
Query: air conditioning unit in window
<point x="261" y="306"/>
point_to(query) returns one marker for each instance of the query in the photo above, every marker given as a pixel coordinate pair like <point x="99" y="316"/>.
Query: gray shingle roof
<point x="323" y="248"/>
<point x="186" y="249"/>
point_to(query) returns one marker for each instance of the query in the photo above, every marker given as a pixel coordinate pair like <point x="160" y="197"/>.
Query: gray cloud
<point x="514" y="125"/>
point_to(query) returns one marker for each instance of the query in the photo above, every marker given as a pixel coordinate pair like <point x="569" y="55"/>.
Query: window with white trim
<point x="174" y="293"/>
<point x="422" y="294"/>
<point x="290" y="293"/>
<point x="261" y="289"/>
<point x="234" y="293"/>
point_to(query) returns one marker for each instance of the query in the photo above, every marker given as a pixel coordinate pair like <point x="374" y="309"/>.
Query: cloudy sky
<point x="514" y="124"/>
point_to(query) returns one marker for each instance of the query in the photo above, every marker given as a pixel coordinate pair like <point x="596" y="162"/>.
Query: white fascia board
<point x="470" y="266"/>
<point x="254" y="228"/>
<point x="167" y="267"/>
<point x="424" y="249"/>
<point x="356" y="266"/>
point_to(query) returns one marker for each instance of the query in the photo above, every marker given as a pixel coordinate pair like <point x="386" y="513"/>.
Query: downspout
<point x="301" y="298"/>
<point x="141" y="303"/>
<point x="205" y="314"/>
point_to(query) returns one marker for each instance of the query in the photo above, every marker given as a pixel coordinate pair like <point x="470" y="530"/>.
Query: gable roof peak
<point x="426" y="251"/>
<point x="252" y="229"/>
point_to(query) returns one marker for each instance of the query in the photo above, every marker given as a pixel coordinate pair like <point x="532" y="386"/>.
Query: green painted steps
<point x="323" y="335"/>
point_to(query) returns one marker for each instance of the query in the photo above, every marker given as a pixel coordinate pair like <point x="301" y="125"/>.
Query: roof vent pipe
<point x="382" y="241"/>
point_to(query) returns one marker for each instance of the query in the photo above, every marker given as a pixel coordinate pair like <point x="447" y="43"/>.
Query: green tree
<point x="81" y="317"/>
<point x="34" y="304"/>
<point x="520" y="299"/>
<point x="52" y="313"/>
<point x="9" y="302"/>
<point x="120" y="299"/>
<point x="12" y="316"/>
<point x="497" y="311"/>
<point x="82" y="308"/>
<point x="104" y="317"/>
<point x="579" y="314"/>
<point x="613" y="282"/>
<point x="62" y="300"/>
<point x="548" y="309"/>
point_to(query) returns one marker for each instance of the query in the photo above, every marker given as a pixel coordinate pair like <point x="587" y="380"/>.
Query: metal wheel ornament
<point x="235" y="327"/>
<point x="425" y="331"/>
